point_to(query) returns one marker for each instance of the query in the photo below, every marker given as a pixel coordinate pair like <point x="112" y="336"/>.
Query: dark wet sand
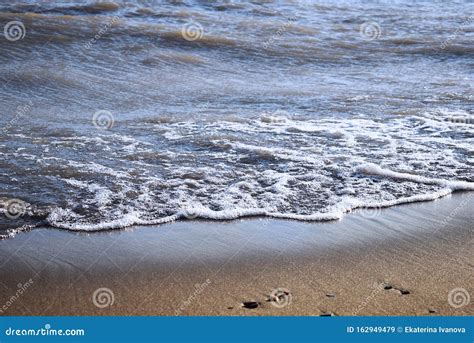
<point x="423" y="250"/>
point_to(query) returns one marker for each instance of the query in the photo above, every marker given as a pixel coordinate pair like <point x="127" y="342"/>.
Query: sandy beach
<point x="403" y="260"/>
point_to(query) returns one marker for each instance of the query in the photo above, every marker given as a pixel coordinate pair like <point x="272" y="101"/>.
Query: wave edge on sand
<point x="349" y="204"/>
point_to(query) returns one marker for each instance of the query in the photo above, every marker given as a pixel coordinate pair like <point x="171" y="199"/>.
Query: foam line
<point x="373" y="169"/>
<point x="347" y="205"/>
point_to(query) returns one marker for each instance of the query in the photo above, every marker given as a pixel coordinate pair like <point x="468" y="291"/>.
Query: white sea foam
<point x="66" y="219"/>
<point x="61" y="218"/>
<point x="373" y="169"/>
<point x="275" y="166"/>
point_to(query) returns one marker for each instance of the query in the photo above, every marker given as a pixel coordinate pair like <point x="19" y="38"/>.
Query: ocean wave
<point x="266" y="109"/>
<point x="278" y="165"/>
<point x="372" y="169"/>
<point x="66" y="219"/>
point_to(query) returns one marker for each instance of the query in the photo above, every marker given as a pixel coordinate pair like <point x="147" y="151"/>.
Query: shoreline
<point x="255" y="214"/>
<point x="402" y="260"/>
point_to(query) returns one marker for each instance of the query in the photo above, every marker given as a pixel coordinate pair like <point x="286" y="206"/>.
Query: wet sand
<point x="402" y="260"/>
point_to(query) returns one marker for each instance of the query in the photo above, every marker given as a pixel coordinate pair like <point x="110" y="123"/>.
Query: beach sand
<point x="402" y="260"/>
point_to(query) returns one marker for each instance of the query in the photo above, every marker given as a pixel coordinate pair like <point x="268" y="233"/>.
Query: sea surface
<point x="146" y="112"/>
